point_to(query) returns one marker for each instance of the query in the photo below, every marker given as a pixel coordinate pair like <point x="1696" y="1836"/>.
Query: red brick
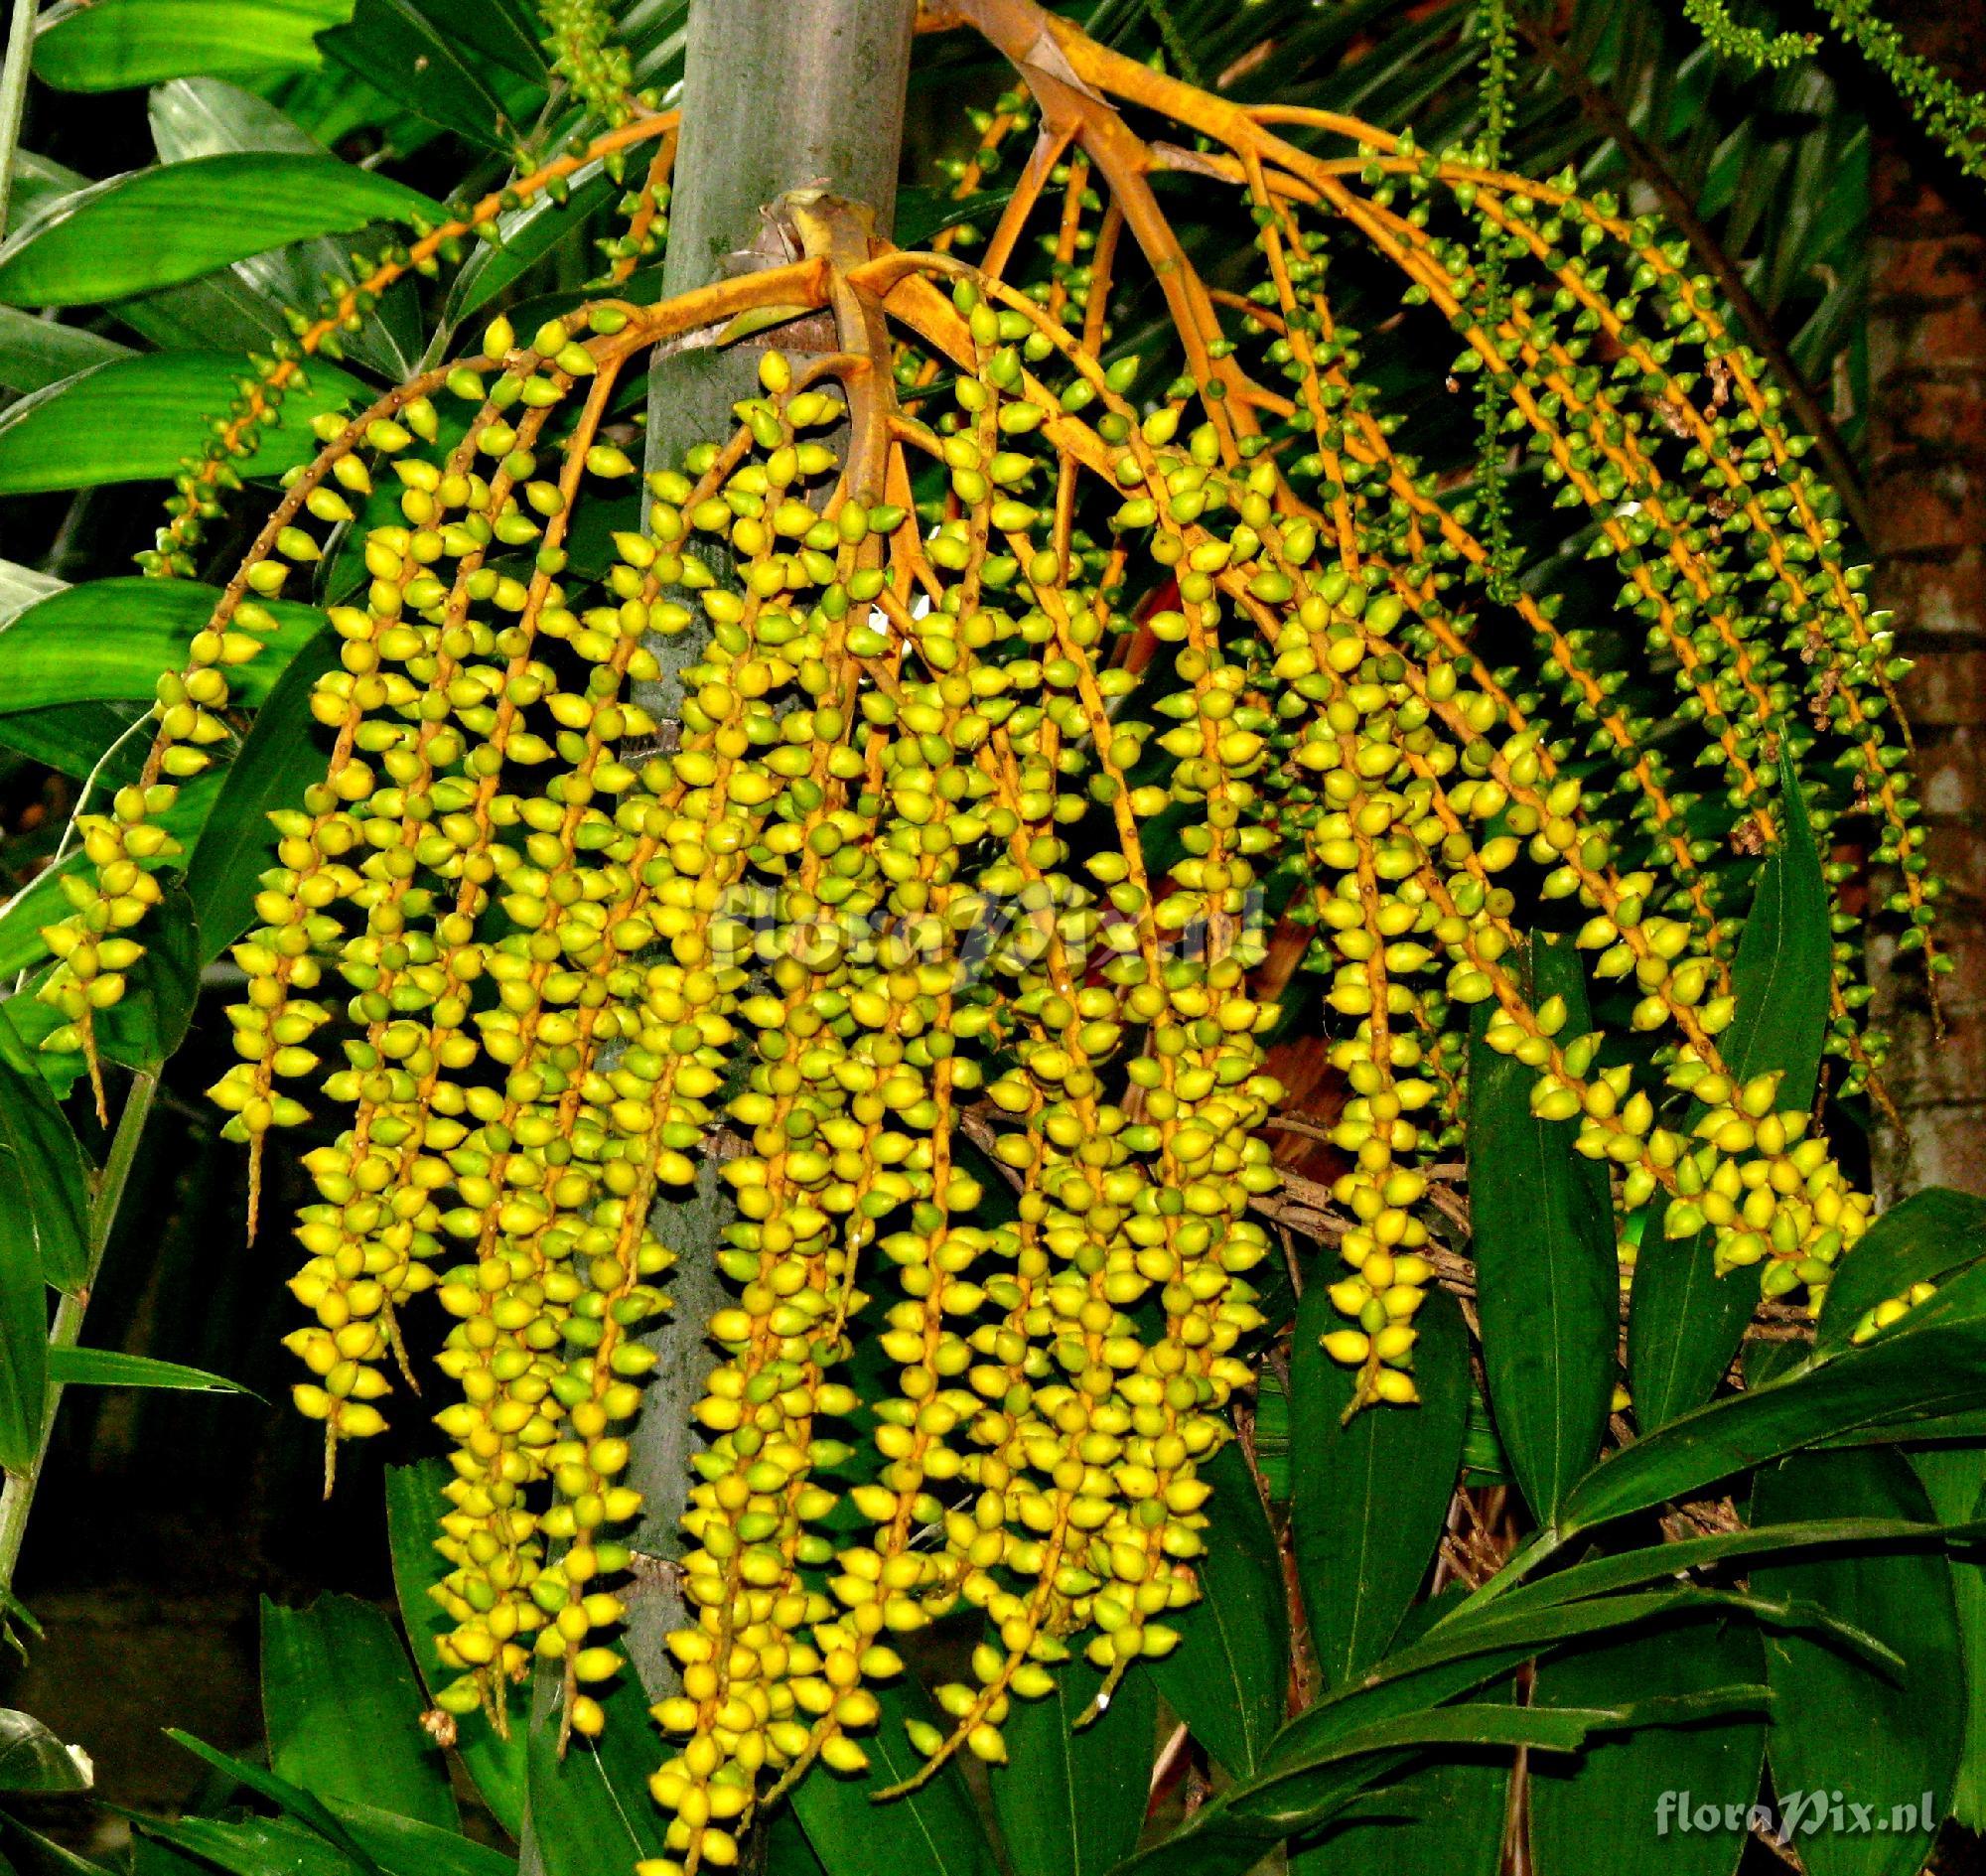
<point x="1927" y="272"/>
<point x="1925" y="405"/>
<point x="1947" y="687"/>
<point x="1951" y="771"/>
<point x="1937" y="598"/>
<point x="1956" y="333"/>
<point x="1958" y="855"/>
<point x="1910" y="206"/>
<point x="1940" y="505"/>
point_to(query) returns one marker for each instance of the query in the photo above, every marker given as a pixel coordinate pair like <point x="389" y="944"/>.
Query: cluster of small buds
<point x="580" y="39"/>
<point x="91" y="947"/>
<point x="888" y="882"/>
<point x="1698" y="563"/>
<point x="1771" y="1193"/>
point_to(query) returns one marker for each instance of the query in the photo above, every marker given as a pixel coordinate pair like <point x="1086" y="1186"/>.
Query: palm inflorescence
<point x="896" y="830"/>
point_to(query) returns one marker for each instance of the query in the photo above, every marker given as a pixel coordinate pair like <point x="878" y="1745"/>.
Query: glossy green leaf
<point x="80" y="740"/>
<point x="1785" y="961"/>
<point x="39" y="183"/>
<point x="1541" y="1232"/>
<point x="35" y="1855"/>
<point x="23" y="916"/>
<point x="935" y="1831"/>
<point x="292" y="1800"/>
<point x="35" y="351"/>
<point x="200" y="117"/>
<point x="787" y="1851"/>
<point x="33" y="1759"/>
<point x="528" y="234"/>
<point x="22" y="586"/>
<point x="45" y="1170"/>
<point x="195" y="117"/>
<point x="341" y="1708"/>
<point x="1459" y="1656"/>
<point x="510" y="32"/>
<point x="1272" y="1434"/>
<point x="413" y="1504"/>
<point x="1287" y="1799"/>
<point x="24" y="1315"/>
<point x="1444" y="1816"/>
<point x="140" y="419"/>
<point x="1478" y="1645"/>
<point x="1881" y="1740"/>
<point x="1630" y="1570"/>
<point x="1229" y="1677"/>
<point x="1367" y="1495"/>
<point x="1920" y="1240"/>
<point x="1686" y="1322"/>
<point x="1639" y="1776"/>
<point x="251" y="1847"/>
<point x="111" y="1368"/>
<point x="1930" y="1370"/>
<point x="1070" y="1802"/>
<point x="396" y="47"/>
<point x="591" y="1811"/>
<point x="219" y="310"/>
<point x="928" y="210"/>
<point x="279" y="759"/>
<point x="110" y="640"/>
<point x="159" y="226"/>
<point x="1942" y="1426"/>
<point x="152" y="1857"/>
<point x="404" y="1846"/>
<point x="334" y="105"/>
<point x="654" y="32"/>
<point x="1955" y="1480"/>
<point x="1483" y="1460"/>
<point x="107" y="45"/>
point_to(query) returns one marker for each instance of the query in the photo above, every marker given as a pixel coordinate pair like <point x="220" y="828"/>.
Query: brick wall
<point x="1928" y="487"/>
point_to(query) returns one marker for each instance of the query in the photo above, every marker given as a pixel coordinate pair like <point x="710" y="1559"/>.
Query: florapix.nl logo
<point x="1796" y="1814"/>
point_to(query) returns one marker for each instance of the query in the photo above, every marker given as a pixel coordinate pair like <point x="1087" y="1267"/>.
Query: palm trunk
<point x="777" y="96"/>
<point x="1927" y="484"/>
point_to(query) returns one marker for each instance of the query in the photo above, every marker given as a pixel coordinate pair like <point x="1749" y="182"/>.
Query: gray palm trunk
<point x="777" y="96"/>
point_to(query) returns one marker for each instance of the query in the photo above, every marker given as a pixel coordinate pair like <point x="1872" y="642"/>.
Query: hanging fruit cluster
<point x="1010" y="690"/>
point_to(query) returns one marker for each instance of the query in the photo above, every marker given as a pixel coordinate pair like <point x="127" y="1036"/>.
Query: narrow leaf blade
<point x="935" y="1831"/>
<point x="111" y="44"/>
<point x="1575" y="1803"/>
<point x="1935" y="1368"/>
<point x="159" y="226"/>
<point x="280" y="758"/>
<point x="1229" y="1677"/>
<point x="24" y="1317"/>
<point x="343" y="1711"/>
<point x="1955" y="1480"/>
<point x="36" y="1137"/>
<point x="111" y="1368"/>
<point x="414" y="1505"/>
<point x="33" y="1759"/>
<point x="1920" y="1240"/>
<point x="108" y="641"/>
<point x="1881" y="1740"/>
<point x="1541" y="1228"/>
<point x="1685" y="1321"/>
<point x="1367" y="1495"/>
<point x="1070" y="1802"/>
